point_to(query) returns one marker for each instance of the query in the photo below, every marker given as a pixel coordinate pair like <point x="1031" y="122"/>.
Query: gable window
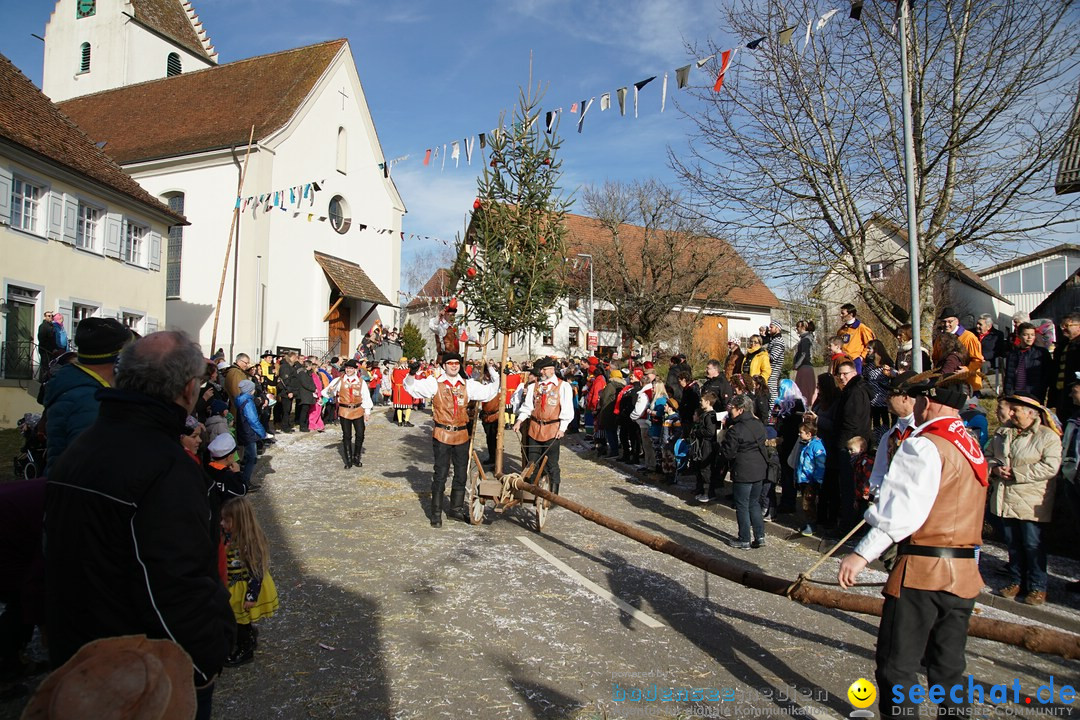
<point x="87" y="229"/>
<point x="176" y="249"/>
<point x="84" y="58"/>
<point x="342" y="149"/>
<point x="548" y="337"/>
<point x="339" y="214"/>
<point x="574" y="303"/>
<point x="131" y="249"/>
<point x="85" y="8"/>
<point x="172" y="65"/>
<point x="25" y="204"/>
<point x="573" y="337"/>
<point x="877" y="270"/>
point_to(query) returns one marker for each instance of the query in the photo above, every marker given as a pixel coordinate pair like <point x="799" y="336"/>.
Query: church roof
<point x="175" y="21"/>
<point x="29" y="120"/>
<point x="350" y="279"/>
<point x="202" y="110"/>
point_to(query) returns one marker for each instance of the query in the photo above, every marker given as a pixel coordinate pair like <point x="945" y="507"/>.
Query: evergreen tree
<point x="413" y="345"/>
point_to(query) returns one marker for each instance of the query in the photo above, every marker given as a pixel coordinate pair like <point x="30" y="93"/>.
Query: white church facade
<point x="314" y="251"/>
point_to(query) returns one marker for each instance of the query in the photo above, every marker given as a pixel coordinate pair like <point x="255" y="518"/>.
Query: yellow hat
<point x="616" y="374"/>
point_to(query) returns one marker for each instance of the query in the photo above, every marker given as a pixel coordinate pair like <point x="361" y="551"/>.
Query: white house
<point x="887" y="258"/>
<point x="737" y="314"/>
<point x="316" y="245"/>
<point x="1028" y="280"/>
<point x="77" y="234"/>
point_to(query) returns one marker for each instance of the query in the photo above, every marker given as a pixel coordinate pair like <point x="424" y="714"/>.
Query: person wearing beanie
<point x="217" y="422"/>
<point x="60" y="333"/>
<point x="249" y="428"/>
<point x="70" y="405"/>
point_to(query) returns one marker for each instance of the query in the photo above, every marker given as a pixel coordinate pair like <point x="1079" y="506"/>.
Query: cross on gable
<point x="344" y="97"/>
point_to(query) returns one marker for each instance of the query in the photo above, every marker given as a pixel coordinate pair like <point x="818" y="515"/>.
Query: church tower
<point x="95" y="45"/>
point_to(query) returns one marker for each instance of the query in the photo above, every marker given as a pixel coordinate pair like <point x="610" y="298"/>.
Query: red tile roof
<point x="171" y="19"/>
<point x="29" y="120"/>
<point x="203" y="110"/>
<point x="585" y="234"/>
<point x="435" y="290"/>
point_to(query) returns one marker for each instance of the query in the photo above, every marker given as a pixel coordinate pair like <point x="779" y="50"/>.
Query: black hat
<point x="943" y="391"/>
<point x="267" y="354"/>
<point x="100" y="340"/>
<point x="898" y="383"/>
<point x="947" y="312"/>
<point x="543" y="363"/>
<point x="350" y="363"/>
<point x="449" y="357"/>
<point x="1025" y="399"/>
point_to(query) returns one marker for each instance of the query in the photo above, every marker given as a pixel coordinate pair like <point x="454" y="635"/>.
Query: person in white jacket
<point x="353" y="399"/>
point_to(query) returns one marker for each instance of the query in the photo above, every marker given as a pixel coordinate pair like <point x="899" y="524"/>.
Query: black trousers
<point x="445" y="454"/>
<point x="630" y="438"/>
<point x="347" y="428"/>
<point x="491" y="433"/>
<point x="285" y="407"/>
<point x="304" y="410"/>
<point x="535" y="449"/>
<point x="921" y="627"/>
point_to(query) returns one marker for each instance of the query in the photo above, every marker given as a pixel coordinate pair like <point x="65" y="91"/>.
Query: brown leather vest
<point x="955" y="520"/>
<point x="491" y="410"/>
<point x="450" y="407"/>
<point x="544" y="419"/>
<point x="349" y="398"/>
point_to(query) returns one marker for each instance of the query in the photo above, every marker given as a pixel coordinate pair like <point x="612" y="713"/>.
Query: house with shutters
<point x="77" y="236"/>
<point x="312" y="258"/>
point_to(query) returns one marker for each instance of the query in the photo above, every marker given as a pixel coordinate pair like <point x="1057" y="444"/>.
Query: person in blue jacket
<point x="249" y="431"/>
<point x="70" y="402"/>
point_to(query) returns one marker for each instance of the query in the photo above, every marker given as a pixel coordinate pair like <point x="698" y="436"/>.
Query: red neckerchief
<point x="896" y="437"/>
<point x="952" y="429"/>
<point x="446" y="381"/>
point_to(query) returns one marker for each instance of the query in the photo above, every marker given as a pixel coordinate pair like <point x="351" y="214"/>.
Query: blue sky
<point x="435" y="72"/>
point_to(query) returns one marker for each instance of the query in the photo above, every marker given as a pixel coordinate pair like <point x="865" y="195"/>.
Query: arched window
<point x="339" y="214"/>
<point x="84" y="55"/>
<point x="172" y="65"/>
<point x="342" y="148"/>
<point x="176" y="249"/>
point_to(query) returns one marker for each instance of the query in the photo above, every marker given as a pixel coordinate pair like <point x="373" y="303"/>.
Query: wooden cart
<point x="503" y="494"/>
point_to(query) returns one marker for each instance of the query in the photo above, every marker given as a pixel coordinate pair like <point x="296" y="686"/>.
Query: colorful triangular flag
<point x="682" y="76"/>
<point x="637" y="87"/>
<point x="585" y="105"/>
<point x="753" y="44"/>
<point x="786" y="34"/>
<point x="725" y="62"/>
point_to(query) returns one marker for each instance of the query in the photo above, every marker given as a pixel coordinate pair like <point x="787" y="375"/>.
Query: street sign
<point x="592" y="340"/>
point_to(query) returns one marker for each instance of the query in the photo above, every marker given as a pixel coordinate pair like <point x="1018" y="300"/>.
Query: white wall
<point x="122" y="52"/>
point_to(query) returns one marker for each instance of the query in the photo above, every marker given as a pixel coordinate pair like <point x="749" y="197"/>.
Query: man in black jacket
<point x="286" y="391"/>
<point x="46" y="338"/>
<point x="305" y="392"/>
<point x="715" y="382"/>
<point x="1067" y="357"/>
<point x="852" y="420"/>
<point x="1028" y="368"/>
<point x="128" y="542"/>
<point x="678" y="365"/>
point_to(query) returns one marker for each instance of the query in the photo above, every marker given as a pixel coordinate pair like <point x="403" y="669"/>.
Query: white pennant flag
<point x="455" y="152"/>
<point x="807" y="40"/>
<point x="469" y="144"/>
<point x="825" y="18"/>
<point x="663" y="94"/>
<point x="605" y="101"/>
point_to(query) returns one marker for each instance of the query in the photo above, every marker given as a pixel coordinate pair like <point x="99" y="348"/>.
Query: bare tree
<point x="423" y="267"/>
<point x="804" y="145"/>
<point x="654" y="257"/>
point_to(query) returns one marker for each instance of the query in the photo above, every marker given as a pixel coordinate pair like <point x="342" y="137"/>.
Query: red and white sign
<point x="592" y="340"/>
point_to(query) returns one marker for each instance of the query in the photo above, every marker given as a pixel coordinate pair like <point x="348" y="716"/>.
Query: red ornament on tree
<point x="476" y="204"/>
<point x="470" y="272"/>
<point x="547" y="160"/>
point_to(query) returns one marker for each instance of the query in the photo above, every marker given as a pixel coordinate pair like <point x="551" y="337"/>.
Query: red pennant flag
<point x="427" y="157"/>
<point x="725" y="61"/>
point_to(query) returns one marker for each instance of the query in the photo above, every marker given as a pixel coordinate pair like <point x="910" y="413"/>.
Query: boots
<point x="436" y="506"/>
<point x="347" y="446"/>
<point x="244" y="652"/>
<point x="356" y="457"/>
<point x="457" y="501"/>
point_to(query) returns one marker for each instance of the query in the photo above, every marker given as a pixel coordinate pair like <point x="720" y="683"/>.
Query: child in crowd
<point x="218" y="420"/>
<point x="251" y="589"/>
<point x="809" y="470"/>
<point x="836" y="354"/>
<point x="862" y="464"/>
<point x="706" y="456"/>
<point x="772" y="475"/>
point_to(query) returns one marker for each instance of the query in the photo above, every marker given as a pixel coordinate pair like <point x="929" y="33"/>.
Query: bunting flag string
<point x="725" y="60"/>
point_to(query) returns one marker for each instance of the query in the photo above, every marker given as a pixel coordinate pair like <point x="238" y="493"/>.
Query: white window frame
<point x="20" y="203"/>
<point x="877" y="270"/>
<point x="132" y="247"/>
<point x="80" y="311"/>
<point x="133" y="320"/>
<point x="81" y="222"/>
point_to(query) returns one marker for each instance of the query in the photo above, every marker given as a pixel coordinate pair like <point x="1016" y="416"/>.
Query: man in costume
<point x="354" y="405"/>
<point x="549" y="407"/>
<point x="951" y="318"/>
<point x="854" y="335"/>
<point x="402" y="400"/>
<point x="446" y="332"/>
<point x="450" y="396"/>
<point x="931" y="503"/>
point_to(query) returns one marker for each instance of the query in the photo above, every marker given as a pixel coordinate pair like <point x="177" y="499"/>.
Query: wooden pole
<point x="500" y="441"/>
<point x="228" y="246"/>
<point x="1035" y="639"/>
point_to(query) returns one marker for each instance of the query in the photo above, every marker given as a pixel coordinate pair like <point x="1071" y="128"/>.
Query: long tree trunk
<point x="499" y="441"/>
<point x="1035" y="639"/>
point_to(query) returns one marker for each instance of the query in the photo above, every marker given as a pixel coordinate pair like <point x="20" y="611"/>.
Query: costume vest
<point x="450" y="411"/>
<point x="544" y="420"/>
<point x="350" y="398"/>
<point x="491" y="410"/>
<point x="955" y="520"/>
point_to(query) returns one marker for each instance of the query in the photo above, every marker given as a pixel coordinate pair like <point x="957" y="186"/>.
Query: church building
<point x="314" y="250"/>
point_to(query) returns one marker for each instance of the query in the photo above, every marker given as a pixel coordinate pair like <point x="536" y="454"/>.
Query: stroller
<point x="30" y="462"/>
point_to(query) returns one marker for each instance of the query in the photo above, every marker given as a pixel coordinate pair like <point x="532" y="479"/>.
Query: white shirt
<point x="439" y="326"/>
<point x="881" y="459"/>
<point x="908" y="492"/>
<point x="427" y="387"/>
<point x="518" y="397"/>
<point x="566" y="403"/>
<point x="641" y="405"/>
<point x="331" y="390"/>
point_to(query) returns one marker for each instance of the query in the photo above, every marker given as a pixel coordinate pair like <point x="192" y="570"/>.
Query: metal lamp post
<point x="589" y="258"/>
<point x="909" y="178"/>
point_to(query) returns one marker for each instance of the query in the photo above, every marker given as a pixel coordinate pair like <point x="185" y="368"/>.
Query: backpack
<point x="772" y="460"/>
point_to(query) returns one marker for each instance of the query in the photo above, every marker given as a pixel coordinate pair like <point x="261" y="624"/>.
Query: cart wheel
<point x="542" y="504"/>
<point x="30" y="471"/>
<point x="476" y="510"/>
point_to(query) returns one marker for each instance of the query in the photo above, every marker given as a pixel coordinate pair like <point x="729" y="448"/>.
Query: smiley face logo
<point x="862" y="693"/>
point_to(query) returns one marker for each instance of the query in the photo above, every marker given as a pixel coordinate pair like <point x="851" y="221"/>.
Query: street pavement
<point x="383" y="616"/>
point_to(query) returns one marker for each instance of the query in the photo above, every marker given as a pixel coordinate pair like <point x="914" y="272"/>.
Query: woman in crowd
<point x="788" y="420"/>
<point x="733" y="364"/>
<point x="805" y="377"/>
<point x="949" y="353"/>
<point x="823" y="412"/>
<point x="877" y="370"/>
<point x="757" y="361"/>
<point x="762" y="399"/>
<point x="744" y="448"/>
<point x="1025" y="455"/>
<point x="904" y="352"/>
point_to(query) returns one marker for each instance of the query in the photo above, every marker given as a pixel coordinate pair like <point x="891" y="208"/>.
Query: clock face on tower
<point x="85" y="8"/>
